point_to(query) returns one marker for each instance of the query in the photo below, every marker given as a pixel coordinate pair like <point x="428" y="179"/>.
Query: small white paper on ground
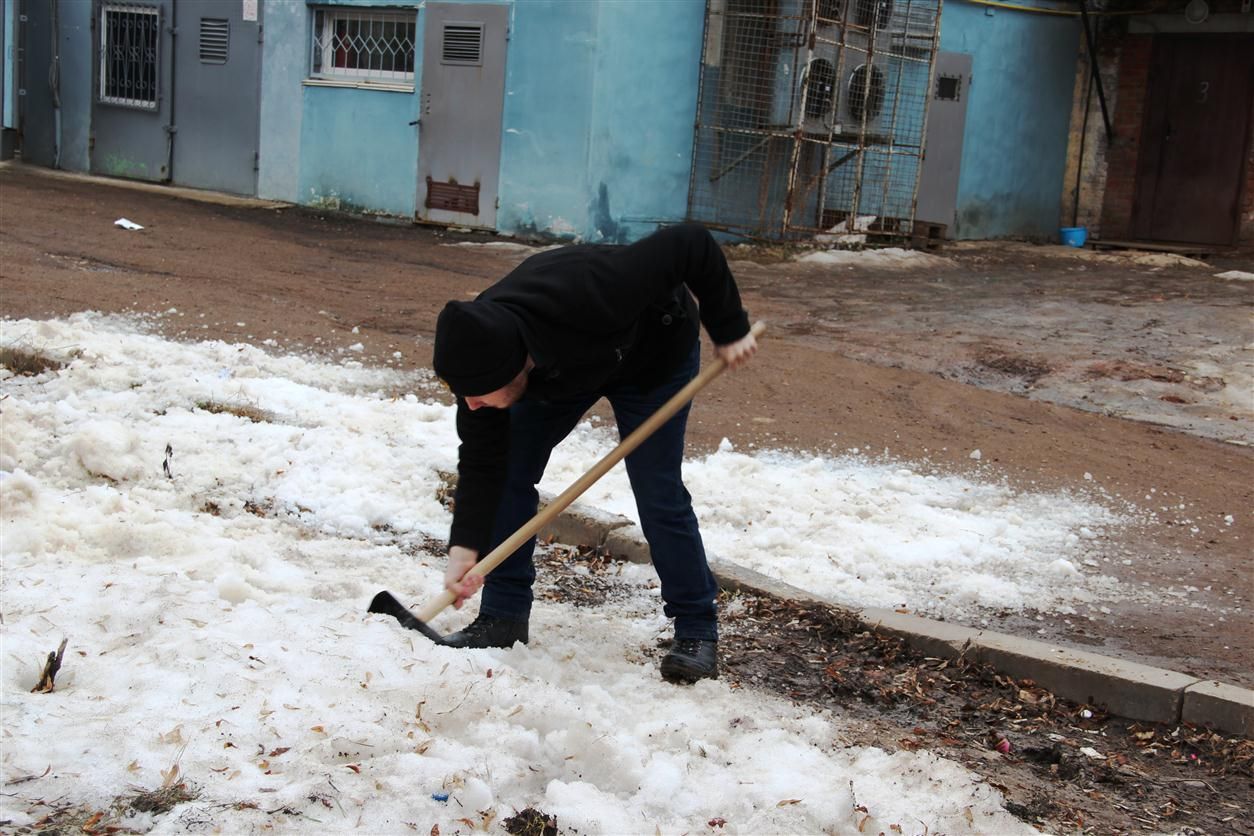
<point x="126" y="224"/>
<point x="1239" y="275"/>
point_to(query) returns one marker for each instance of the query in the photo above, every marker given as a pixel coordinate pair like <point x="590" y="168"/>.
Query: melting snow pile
<point x="205" y="524"/>
<point x="868" y="533"/>
<point x="888" y="257"/>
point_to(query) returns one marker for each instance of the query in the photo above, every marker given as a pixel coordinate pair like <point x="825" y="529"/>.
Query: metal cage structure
<point x="811" y="117"/>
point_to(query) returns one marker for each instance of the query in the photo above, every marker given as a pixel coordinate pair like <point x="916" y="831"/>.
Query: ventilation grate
<point x="215" y="40"/>
<point x="452" y="197"/>
<point x="463" y="44"/>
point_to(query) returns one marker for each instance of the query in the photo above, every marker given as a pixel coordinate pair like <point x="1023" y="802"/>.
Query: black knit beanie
<point x="478" y="347"/>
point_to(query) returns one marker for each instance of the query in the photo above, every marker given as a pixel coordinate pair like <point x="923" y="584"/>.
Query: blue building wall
<point x="646" y="75"/>
<point x="1018" y="116"/>
<point x="336" y="147"/>
<point x="8" y="60"/>
<point x="358" y="151"/>
<point x="548" y="118"/>
<point x="598" y="116"/>
<point x="600" y="101"/>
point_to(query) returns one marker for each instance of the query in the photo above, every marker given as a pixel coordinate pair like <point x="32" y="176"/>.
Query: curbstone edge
<point x="1221" y="707"/>
<point x="628" y="544"/>
<point x="741" y="579"/>
<point x="1126" y="689"/>
<point x="581" y="525"/>
<point x="934" y="638"/>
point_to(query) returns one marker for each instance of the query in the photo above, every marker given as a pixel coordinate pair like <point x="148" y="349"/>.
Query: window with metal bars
<point x="356" y="45"/>
<point x="129" y="55"/>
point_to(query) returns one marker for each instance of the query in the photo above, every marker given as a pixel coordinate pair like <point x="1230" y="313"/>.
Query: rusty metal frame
<point x="760" y="175"/>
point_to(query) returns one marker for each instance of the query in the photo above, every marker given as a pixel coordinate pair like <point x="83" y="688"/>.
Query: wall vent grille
<point x="463" y="44"/>
<point x="215" y="40"/>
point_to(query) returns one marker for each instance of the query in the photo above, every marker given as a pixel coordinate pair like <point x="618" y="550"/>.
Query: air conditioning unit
<point x="863" y="87"/>
<point x="814" y="89"/>
<point x="806" y="83"/>
<point x="836" y="99"/>
<point x="871" y="14"/>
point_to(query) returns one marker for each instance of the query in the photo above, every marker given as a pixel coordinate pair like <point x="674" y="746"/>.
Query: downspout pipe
<point x="172" y="127"/>
<point x="54" y="81"/>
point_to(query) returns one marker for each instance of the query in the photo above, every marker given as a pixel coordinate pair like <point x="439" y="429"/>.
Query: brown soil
<point x="1020" y="352"/>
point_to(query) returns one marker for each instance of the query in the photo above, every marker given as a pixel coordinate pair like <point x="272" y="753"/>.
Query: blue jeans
<point x="665" y="506"/>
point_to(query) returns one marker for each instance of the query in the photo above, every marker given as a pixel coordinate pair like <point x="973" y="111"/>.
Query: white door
<point x="459" y="127"/>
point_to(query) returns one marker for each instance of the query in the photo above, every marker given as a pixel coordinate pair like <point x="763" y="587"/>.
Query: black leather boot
<point x="690" y="660"/>
<point x="489" y="631"/>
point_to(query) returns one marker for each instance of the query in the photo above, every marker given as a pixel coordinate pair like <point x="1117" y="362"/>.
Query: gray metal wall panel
<point x="946" y="124"/>
<point x="75" y="84"/>
<point x="36" y="115"/>
<point x="217" y="105"/>
<point x="130" y="141"/>
<point x="461" y="115"/>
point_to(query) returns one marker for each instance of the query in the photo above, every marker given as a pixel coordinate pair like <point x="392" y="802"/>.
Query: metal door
<point x="459" y="128"/>
<point x="942" y="154"/>
<point x="1193" y="145"/>
<point x="131" y="102"/>
<point x="217" y="88"/>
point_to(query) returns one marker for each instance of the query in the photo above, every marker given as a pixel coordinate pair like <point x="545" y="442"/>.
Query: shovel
<point x="386" y="603"/>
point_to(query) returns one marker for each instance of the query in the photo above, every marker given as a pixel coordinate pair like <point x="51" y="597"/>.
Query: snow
<point x="216" y="621"/>
<point x="877" y="533"/>
<point x="502" y="246"/>
<point x="887" y="257"/>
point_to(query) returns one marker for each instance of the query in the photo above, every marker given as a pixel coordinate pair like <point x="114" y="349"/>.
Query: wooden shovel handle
<point x="547" y="514"/>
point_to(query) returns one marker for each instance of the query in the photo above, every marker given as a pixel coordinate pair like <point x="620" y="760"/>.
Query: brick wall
<point x="1121" y="156"/>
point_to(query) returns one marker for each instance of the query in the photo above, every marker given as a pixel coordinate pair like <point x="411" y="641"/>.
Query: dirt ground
<point x="1120" y="375"/>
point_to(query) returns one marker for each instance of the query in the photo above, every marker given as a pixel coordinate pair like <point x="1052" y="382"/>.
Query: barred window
<point x="356" y="45"/>
<point x="129" y="36"/>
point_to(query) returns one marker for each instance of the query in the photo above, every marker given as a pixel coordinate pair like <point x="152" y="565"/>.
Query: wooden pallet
<point x="927" y="236"/>
<point x="1176" y="247"/>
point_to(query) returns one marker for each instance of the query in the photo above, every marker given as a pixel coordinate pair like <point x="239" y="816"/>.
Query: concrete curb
<point x="1126" y="689"/>
<point x="184" y="192"/>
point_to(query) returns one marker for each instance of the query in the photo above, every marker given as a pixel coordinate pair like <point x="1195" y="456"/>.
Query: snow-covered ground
<point x="869" y="532"/>
<point x="211" y="573"/>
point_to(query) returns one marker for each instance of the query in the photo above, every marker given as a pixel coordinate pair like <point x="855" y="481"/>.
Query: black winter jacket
<point x="594" y="316"/>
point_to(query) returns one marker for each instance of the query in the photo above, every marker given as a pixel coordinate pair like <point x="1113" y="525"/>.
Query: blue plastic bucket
<point x="1074" y="236"/>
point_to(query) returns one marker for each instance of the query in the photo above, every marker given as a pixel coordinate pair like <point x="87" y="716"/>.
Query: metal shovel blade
<point x="385" y="603"/>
